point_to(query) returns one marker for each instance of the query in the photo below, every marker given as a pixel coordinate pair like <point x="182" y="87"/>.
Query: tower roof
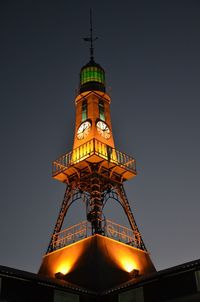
<point x="92" y="77"/>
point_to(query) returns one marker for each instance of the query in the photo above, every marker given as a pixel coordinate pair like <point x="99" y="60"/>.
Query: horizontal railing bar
<point x="119" y="225"/>
<point x="94" y="147"/>
<point x="72" y="227"/>
<point x="70" y="235"/>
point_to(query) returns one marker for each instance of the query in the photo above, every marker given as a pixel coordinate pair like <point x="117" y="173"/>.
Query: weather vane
<point x="91" y="39"/>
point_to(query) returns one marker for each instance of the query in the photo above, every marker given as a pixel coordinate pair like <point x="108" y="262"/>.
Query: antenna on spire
<point x="91" y="39"/>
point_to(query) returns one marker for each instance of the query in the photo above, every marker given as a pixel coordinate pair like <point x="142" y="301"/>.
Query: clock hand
<point x="85" y="126"/>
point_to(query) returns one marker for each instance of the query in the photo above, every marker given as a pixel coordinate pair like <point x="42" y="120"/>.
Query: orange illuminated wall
<point x="93" y="115"/>
<point x="97" y="262"/>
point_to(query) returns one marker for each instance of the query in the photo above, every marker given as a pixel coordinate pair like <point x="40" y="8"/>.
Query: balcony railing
<point x="70" y="235"/>
<point x="121" y="233"/>
<point x="83" y="230"/>
<point x="94" y="147"/>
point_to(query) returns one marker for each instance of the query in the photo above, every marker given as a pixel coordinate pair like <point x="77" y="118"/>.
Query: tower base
<point x="97" y="263"/>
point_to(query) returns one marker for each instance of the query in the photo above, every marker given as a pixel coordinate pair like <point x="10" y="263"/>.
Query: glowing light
<point x="61" y="261"/>
<point x="128" y="265"/>
<point x="64" y="267"/>
<point x="82" y="152"/>
<point x="123" y="257"/>
<point x="91" y="74"/>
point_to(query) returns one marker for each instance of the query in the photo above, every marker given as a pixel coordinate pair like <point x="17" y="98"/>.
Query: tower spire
<point x="91" y="39"/>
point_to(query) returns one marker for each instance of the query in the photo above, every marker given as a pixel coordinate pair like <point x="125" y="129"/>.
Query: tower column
<point x="94" y="215"/>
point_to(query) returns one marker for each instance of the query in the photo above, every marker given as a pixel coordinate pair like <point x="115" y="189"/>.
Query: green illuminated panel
<point x="92" y="74"/>
<point x="101" y="110"/>
<point x="84" y="110"/>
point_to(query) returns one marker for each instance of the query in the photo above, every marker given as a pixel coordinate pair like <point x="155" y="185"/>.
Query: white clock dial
<point x="83" y="130"/>
<point x="103" y="129"/>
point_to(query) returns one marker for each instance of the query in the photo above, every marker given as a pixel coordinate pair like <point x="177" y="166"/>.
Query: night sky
<point x="150" y="51"/>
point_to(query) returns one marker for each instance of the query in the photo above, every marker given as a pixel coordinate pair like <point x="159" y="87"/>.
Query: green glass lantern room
<point x="92" y="77"/>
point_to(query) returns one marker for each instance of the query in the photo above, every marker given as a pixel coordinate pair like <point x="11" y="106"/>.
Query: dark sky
<point x="151" y="53"/>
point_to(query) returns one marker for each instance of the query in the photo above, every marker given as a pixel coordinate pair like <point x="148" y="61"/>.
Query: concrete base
<point x="97" y="263"/>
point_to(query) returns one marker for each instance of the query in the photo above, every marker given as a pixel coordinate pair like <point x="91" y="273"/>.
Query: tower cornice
<point x="85" y="94"/>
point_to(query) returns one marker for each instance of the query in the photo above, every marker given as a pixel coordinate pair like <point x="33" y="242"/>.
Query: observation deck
<point x="83" y="230"/>
<point x="111" y="163"/>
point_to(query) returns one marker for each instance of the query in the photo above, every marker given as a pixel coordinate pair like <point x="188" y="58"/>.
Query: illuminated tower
<point x="94" y="171"/>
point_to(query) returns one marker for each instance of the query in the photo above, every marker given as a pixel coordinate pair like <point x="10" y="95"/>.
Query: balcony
<point x="83" y="230"/>
<point x="112" y="163"/>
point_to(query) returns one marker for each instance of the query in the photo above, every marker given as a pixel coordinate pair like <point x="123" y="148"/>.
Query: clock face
<point x="103" y="129"/>
<point x="83" y="130"/>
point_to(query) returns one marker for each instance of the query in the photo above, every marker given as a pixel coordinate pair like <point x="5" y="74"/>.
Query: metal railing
<point x="93" y="147"/>
<point x="121" y="233"/>
<point x="83" y="230"/>
<point x="69" y="235"/>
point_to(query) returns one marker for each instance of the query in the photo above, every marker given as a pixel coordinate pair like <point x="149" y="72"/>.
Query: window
<point x="84" y="110"/>
<point x="101" y="110"/>
<point x="197" y="276"/>
<point x="60" y="296"/>
<point x="135" y="295"/>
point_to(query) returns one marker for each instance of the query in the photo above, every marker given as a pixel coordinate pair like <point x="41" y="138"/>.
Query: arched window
<point x="84" y="110"/>
<point x="101" y="110"/>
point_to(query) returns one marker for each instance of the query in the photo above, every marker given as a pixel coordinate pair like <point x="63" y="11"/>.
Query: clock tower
<point x="96" y="253"/>
<point x="93" y="107"/>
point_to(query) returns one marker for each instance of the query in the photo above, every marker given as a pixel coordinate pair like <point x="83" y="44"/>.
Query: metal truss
<point x="96" y="190"/>
<point x="71" y="195"/>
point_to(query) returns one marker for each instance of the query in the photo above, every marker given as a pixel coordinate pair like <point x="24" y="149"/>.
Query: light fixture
<point x="134" y="273"/>
<point x="59" y="275"/>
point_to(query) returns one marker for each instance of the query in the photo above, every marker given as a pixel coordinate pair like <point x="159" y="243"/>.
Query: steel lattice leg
<point x="64" y="207"/>
<point x="127" y="209"/>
